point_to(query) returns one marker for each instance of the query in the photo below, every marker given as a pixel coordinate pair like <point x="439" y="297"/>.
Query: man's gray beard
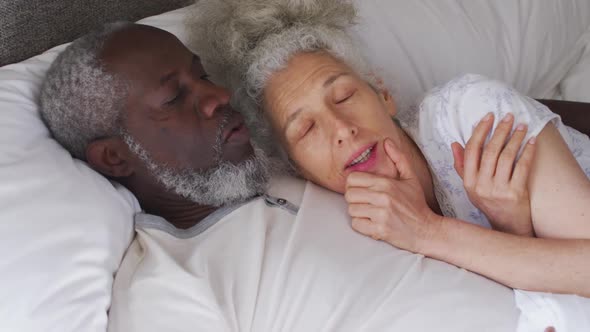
<point x="223" y="184"/>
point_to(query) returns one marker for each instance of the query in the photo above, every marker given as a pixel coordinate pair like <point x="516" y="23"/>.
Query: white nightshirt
<point x="450" y="113"/>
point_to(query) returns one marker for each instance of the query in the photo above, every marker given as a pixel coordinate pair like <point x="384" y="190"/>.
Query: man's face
<point x="179" y="124"/>
<point x="172" y="109"/>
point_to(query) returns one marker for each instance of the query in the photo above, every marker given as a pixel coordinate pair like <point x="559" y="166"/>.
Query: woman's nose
<point x="345" y="130"/>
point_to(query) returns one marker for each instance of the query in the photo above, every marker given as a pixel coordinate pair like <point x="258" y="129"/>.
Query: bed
<point x="64" y="229"/>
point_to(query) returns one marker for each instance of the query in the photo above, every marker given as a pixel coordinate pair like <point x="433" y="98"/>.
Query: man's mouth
<point x="361" y="157"/>
<point x="236" y="130"/>
<point x="232" y="141"/>
<point x="230" y="130"/>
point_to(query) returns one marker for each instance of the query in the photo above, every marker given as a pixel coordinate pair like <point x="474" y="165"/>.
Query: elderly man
<point x="148" y="117"/>
<point x="210" y="254"/>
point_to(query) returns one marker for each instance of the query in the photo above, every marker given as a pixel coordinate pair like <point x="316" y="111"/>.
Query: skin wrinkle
<point x="290" y="117"/>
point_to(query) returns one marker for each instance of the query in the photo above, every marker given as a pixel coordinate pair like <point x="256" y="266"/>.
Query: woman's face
<point x="330" y="121"/>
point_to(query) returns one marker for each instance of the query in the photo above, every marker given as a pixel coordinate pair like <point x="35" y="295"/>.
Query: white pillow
<point x="576" y="85"/>
<point x="416" y="45"/>
<point x="63" y="227"/>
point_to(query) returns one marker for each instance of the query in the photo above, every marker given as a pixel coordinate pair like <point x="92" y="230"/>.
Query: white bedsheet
<point x="567" y="313"/>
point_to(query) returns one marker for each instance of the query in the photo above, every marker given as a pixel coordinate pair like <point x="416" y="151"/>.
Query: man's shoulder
<point x="287" y="187"/>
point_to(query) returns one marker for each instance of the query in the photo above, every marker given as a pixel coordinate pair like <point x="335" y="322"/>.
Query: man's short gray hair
<point x="243" y="42"/>
<point x="81" y="101"/>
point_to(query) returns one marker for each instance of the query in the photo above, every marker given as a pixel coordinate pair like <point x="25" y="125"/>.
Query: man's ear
<point x="389" y="102"/>
<point x="110" y="156"/>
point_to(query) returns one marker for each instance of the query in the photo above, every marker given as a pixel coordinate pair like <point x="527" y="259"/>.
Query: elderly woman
<point x="413" y="185"/>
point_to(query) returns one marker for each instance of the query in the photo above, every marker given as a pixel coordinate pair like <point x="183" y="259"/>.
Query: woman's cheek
<point x="336" y="182"/>
<point x="323" y="176"/>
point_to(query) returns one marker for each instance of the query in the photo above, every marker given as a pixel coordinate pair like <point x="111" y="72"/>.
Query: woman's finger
<point x="400" y="160"/>
<point x="473" y="149"/>
<point x="368" y="211"/>
<point x="492" y="150"/>
<point x="367" y="180"/>
<point x="366" y="227"/>
<point x="508" y="156"/>
<point x="365" y="196"/>
<point x="459" y="157"/>
<point x="524" y="164"/>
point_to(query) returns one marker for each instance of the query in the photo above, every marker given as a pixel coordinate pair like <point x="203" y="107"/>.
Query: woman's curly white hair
<point x="241" y="43"/>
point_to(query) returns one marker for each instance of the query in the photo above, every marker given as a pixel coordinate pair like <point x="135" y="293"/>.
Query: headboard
<point x="29" y="27"/>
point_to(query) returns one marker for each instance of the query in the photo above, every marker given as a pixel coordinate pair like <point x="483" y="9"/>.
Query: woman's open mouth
<point x="364" y="159"/>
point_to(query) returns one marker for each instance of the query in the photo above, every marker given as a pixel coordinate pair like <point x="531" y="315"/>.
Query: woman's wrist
<point x="429" y="243"/>
<point x="442" y="242"/>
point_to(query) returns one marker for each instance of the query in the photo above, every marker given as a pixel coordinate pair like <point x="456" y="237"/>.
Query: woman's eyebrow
<point x="292" y="118"/>
<point x="333" y="78"/>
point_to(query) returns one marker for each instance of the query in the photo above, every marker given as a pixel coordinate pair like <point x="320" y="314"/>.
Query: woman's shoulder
<point x="435" y="117"/>
<point x="472" y="89"/>
<point x="457" y="106"/>
<point x="458" y="85"/>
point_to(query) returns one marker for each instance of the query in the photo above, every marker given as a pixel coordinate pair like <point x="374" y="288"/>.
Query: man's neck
<point x="179" y="211"/>
<point x="181" y="214"/>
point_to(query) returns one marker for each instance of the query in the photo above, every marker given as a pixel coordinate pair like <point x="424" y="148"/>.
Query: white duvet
<point x="264" y="269"/>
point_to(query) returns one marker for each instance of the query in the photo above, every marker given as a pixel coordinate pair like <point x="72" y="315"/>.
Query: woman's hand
<point x="391" y="210"/>
<point x="492" y="181"/>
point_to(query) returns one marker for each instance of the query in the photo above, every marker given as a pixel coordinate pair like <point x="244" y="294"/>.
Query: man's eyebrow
<point x="333" y="78"/>
<point x="166" y="78"/>
<point x="194" y="60"/>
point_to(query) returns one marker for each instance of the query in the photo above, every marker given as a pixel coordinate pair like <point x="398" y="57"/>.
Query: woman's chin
<point x="337" y="187"/>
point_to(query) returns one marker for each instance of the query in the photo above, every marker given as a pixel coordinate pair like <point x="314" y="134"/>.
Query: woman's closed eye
<point x="299" y="132"/>
<point x="345" y="97"/>
<point x="306" y="130"/>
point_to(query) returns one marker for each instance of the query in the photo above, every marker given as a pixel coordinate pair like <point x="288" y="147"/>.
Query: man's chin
<point x="237" y="154"/>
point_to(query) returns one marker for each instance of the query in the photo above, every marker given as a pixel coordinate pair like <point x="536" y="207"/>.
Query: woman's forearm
<point x="547" y="265"/>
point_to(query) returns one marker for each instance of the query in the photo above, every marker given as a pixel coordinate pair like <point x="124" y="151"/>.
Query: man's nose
<point x="211" y="99"/>
<point x="345" y="129"/>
